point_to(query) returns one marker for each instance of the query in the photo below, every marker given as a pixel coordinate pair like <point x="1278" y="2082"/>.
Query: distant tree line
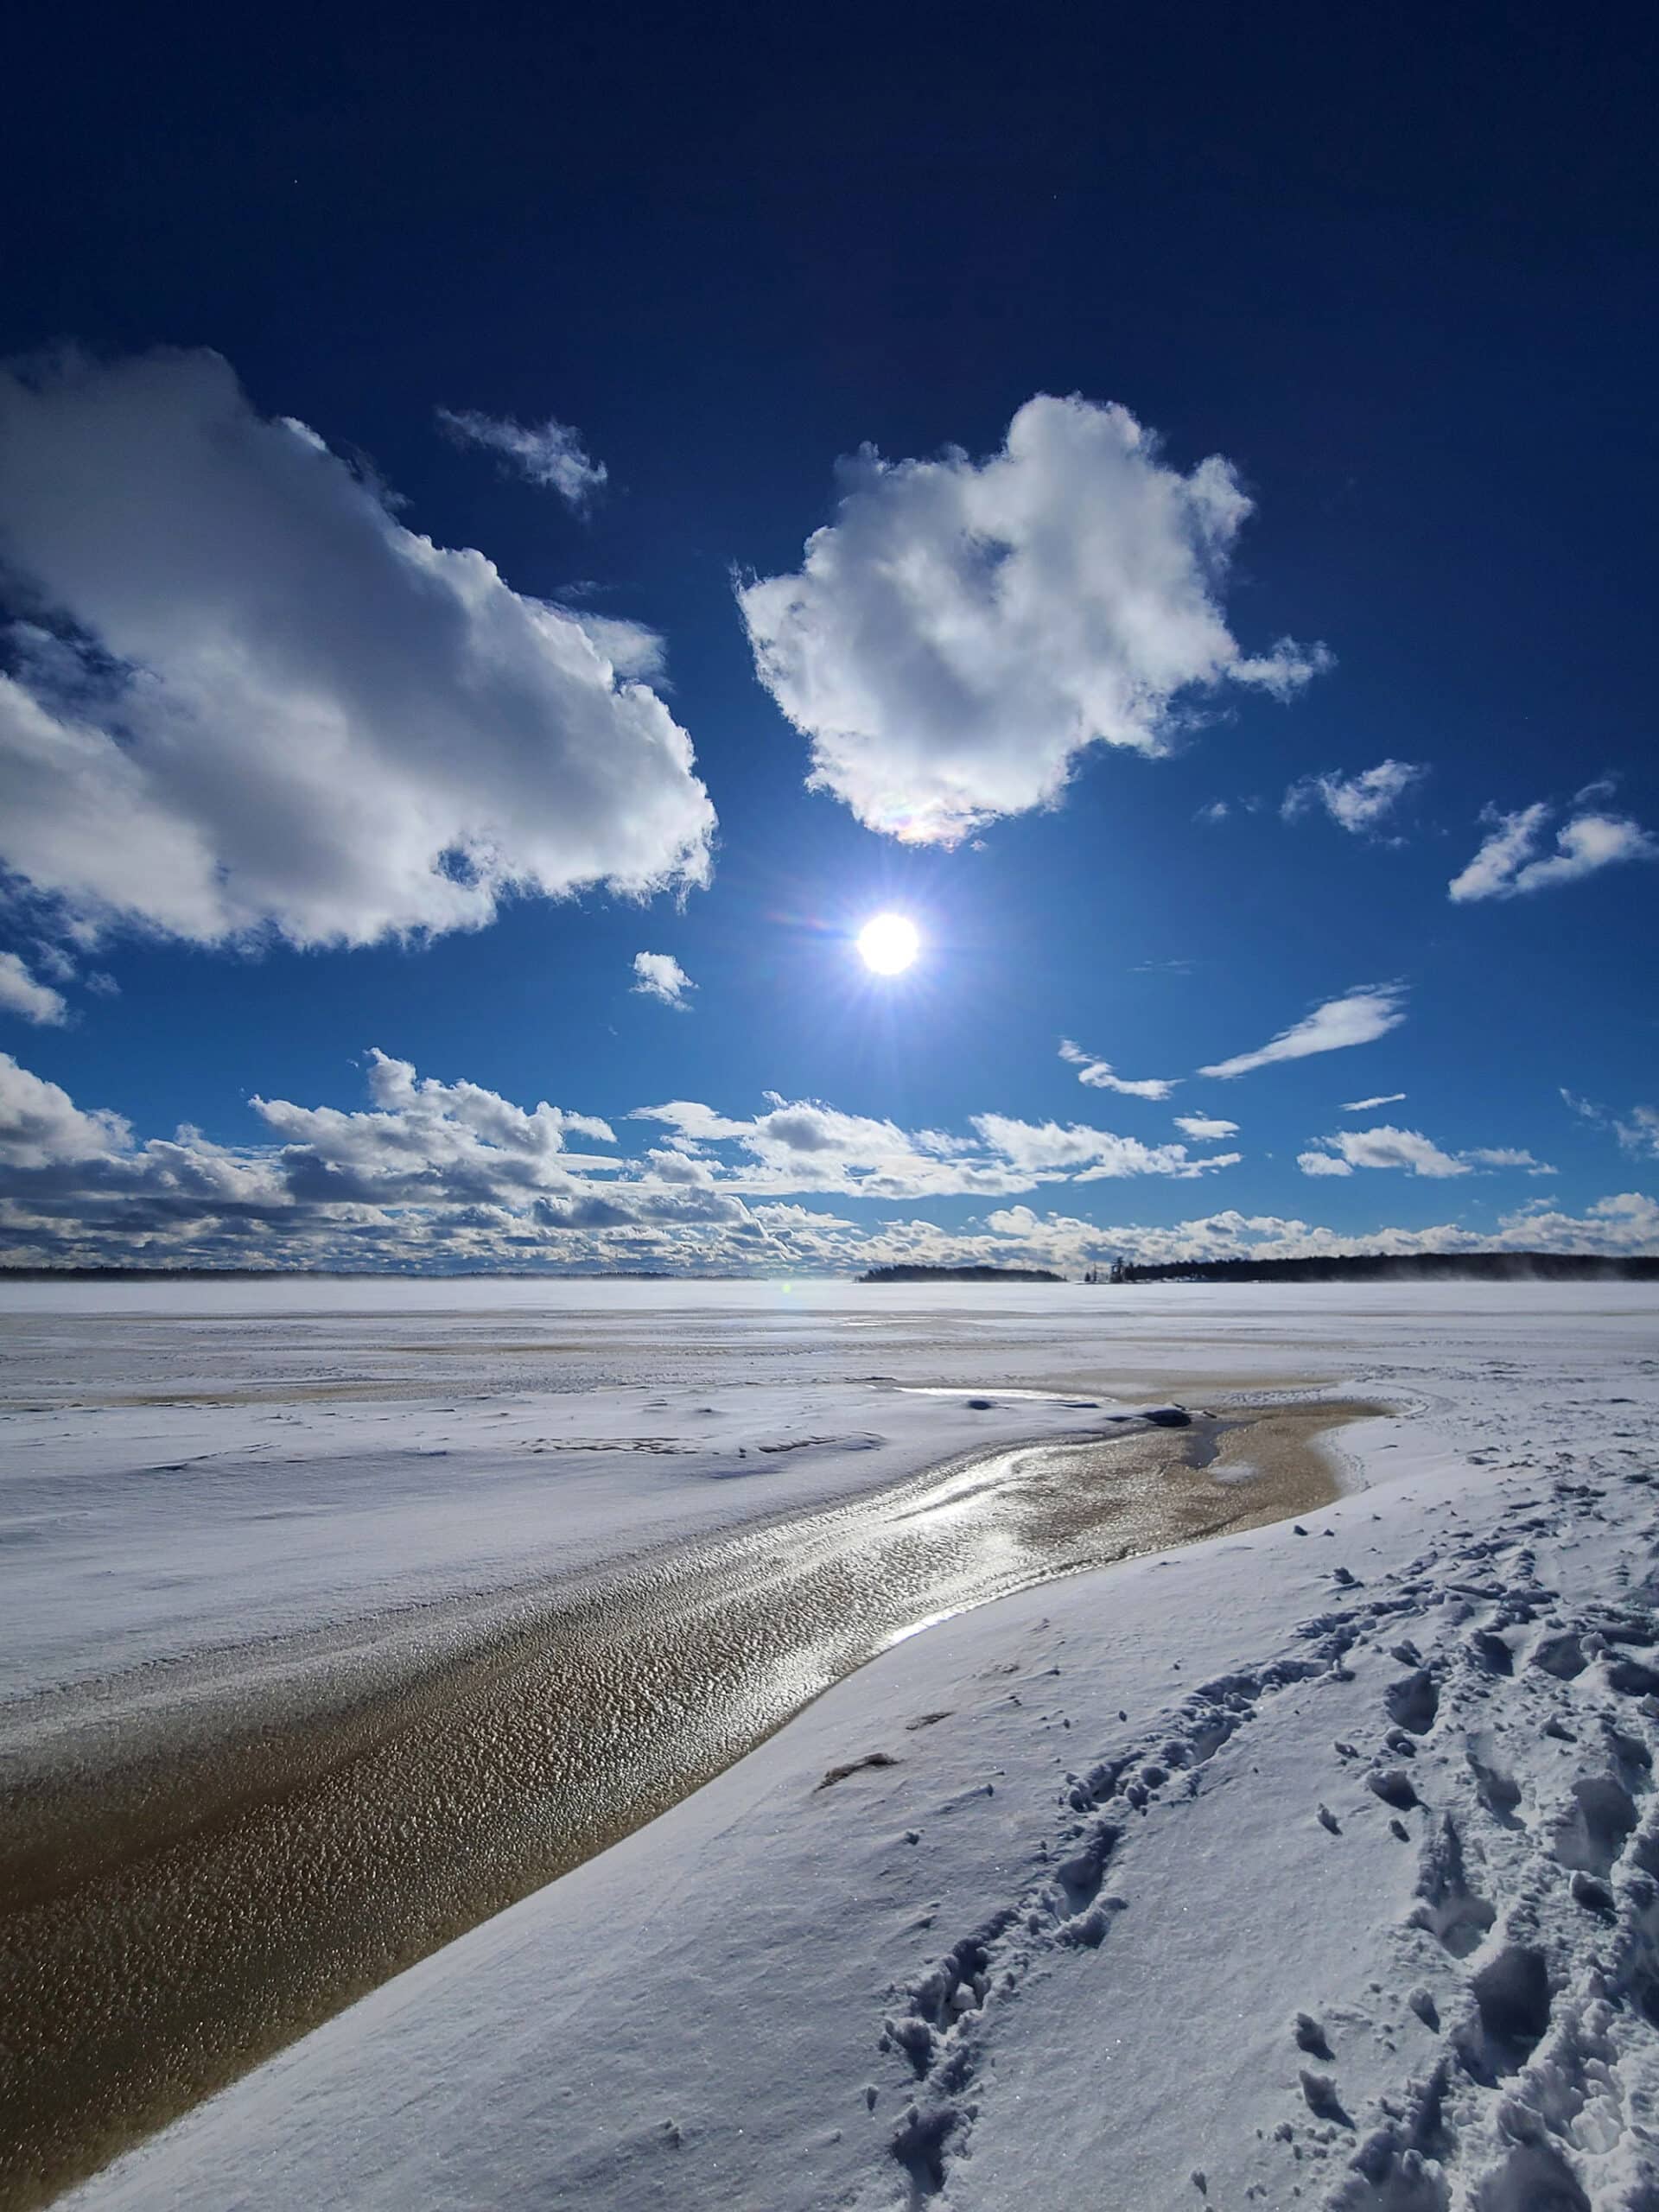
<point x="1405" y="1267"/>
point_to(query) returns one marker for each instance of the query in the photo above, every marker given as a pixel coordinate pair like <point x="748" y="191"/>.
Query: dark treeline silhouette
<point x="1406" y="1266"/>
<point x="960" y="1275"/>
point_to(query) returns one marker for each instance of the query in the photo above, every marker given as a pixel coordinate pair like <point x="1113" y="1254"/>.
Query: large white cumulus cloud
<point x="964" y="629"/>
<point x="247" y="698"/>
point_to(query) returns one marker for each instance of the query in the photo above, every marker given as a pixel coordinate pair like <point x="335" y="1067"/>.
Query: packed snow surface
<point x="1319" y="1863"/>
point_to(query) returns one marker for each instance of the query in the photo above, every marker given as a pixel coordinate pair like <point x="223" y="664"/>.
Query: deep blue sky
<point x="1398" y="269"/>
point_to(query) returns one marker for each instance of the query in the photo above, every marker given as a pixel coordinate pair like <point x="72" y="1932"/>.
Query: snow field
<point x="1318" y="1864"/>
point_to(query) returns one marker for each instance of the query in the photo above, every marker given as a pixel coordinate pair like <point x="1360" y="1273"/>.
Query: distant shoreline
<point x="1341" y="1266"/>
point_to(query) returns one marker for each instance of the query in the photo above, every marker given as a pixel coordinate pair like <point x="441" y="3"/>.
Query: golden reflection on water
<point x="185" y="1907"/>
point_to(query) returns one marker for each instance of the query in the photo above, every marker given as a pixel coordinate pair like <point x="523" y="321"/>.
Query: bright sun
<point x="888" y="944"/>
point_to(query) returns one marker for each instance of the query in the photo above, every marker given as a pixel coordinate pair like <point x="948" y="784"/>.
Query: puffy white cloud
<point x="550" y="454"/>
<point x="253" y="700"/>
<point x="1628" y="1222"/>
<point x="1510" y="863"/>
<point x="1366" y="1105"/>
<point x="449" y="1176"/>
<point x="1099" y="1076"/>
<point x="1382" y="1147"/>
<point x="1205" y="1128"/>
<point x="802" y="1145"/>
<point x="964" y="630"/>
<point x="659" y="976"/>
<point x="1409" y="1149"/>
<point x="40" y="1123"/>
<point x="23" y="993"/>
<point x="1089" y="1155"/>
<point x="1357" y="804"/>
<point x="1358" y="1017"/>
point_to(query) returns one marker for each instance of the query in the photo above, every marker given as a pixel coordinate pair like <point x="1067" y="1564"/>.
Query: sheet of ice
<point x="188" y="1467"/>
<point x="192" y="1467"/>
<point x="1319" y="1865"/>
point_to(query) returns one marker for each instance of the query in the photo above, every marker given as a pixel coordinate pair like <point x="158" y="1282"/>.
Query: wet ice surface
<point x="179" y="1909"/>
<point x="1140" y="1809"/>
<point x="181" y="1476"/>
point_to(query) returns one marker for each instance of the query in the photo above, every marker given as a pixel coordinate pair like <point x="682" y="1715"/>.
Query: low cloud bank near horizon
<point x="433" y="1175"/>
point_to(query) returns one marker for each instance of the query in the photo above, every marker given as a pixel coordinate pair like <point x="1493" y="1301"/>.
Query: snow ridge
<point x="1531" y="1945"/>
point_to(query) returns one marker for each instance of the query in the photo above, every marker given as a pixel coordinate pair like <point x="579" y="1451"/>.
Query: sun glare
<point x="888" y="944"/>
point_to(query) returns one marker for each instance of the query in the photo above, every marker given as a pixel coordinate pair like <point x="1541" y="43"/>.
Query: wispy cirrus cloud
<point x="659" y="976"/>
<point x="1358" y="804"/>
<point x="550" y="454"/>
<point x="1368" y="1105"/>
<point x="1511" y="864"/>
<point x="963" y="630"/>
<point x="1099" y="1075"/>
<point x="1358" y="1017"/>
<point x="1641" y="1133"/>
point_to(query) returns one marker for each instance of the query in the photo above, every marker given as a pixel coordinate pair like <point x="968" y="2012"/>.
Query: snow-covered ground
<point x="1319" y="1864"/>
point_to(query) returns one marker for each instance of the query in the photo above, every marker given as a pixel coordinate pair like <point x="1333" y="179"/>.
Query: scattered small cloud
<point x="964" y="630"/>
<point x="1511" y="864"/>
<point x="550" y="454"/>
<point x="1357" y="804"/>
<point x="659" y="976"/>
<point x="1217" y="810"/>
<point x="1641" y="1133"/>
<point x="1204" y="1129"/>
<point x="1379" y="1147"/>
<point x="52" y="960"/>
<point x="1409" y="1149"/>
<point x="1099" y="1075"/>
<point x="1358" y="1017"/>
<point x="1366" y="1105"/>
<point x="1087" y="1155"/>
<point x="25" y="995"/>
<point x="1584" y="1107"/>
